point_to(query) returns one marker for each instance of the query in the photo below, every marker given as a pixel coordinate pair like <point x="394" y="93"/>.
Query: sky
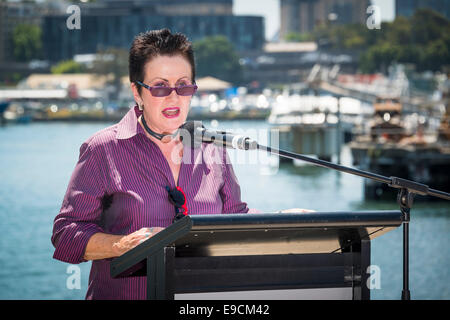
<point x="270" y="9"/>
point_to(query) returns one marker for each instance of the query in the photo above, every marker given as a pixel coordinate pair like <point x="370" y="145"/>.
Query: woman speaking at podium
<point x="132" y="179"/>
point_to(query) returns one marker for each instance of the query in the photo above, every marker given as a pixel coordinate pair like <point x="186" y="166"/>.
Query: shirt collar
<point x="129" y="126"/>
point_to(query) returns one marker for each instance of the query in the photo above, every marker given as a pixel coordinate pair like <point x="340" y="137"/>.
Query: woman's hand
<point x="130" y="241"/>
<point x="296" y="210"/>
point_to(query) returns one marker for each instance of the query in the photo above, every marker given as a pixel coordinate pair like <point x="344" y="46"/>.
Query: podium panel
<point x="322" y="255"/>
<point x="287" y="294"/>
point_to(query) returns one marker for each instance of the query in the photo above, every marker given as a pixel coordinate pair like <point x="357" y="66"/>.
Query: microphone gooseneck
<point x="198" y="134"/>
<point x="189" y="134"/>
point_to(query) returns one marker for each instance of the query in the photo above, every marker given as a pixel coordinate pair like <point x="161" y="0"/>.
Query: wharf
<point x="427" y="163"/>
<point x="101" y="115"/>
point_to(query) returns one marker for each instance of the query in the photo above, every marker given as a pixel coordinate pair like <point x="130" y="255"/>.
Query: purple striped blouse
<point x="120" y="165"/>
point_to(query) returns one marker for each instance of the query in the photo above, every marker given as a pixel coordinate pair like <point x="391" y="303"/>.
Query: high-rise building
<point x="407" y="8"/>
<point x="303" y="16"/>
<point x="161" y="7"/>
<point x="114" y="23"/>
<point x="13" y="14"/>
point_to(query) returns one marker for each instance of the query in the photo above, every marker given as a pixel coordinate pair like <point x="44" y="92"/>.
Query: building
<point x="114" y="23"/>
<point x="303" y="16"/>
<point x="164" y="7"/>
<point x="13" y="14"/>
<point x="407" y="8"/>
<point x="291" y="63"/>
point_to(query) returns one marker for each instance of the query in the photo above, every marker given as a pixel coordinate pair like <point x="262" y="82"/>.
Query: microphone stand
<point x="407" y="190"/>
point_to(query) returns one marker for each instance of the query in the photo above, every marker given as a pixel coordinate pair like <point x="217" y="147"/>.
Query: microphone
<point x="198" y="134"/>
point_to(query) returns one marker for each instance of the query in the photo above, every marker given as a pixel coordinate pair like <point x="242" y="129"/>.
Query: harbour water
<point x="37" y="159"/>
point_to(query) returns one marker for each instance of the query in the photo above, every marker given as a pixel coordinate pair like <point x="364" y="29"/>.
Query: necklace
<point x="164" y="138"/>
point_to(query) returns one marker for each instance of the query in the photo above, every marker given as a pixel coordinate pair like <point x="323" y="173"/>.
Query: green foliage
<point x="397" y="32"/>
<point x="298" y="37"/>
<point x="422" y="40"/>
<point x="349" y="37"/>
<point x="68" y="66"/>
<point x="216" y="57"/>
<point x="27" y="42"/>
<point x="428" y="26"/>
<point x="437" y="54"/>
<point x="378" y="58"/>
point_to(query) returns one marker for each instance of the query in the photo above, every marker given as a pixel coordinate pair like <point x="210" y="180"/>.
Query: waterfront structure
<point x="303" y="16"/>
<point x="289" y="62"/>
<point x="107" y="24"/>
<point x="389" y="148"/>
<point x="406" y="8"/>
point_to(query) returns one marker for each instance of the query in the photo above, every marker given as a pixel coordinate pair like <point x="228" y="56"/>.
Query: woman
<point x="121" y="189"/>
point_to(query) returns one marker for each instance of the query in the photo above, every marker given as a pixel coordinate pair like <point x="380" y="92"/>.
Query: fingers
<point x="130" y="241"/>
<point x="146" y="233"/>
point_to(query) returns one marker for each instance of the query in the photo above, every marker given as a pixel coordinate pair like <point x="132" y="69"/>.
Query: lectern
<point x="319" y="255"/>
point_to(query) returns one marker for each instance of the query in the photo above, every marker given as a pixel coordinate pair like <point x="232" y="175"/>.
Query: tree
<point x="298" y="37"/>
<point x="350" y="36"/>
<point x="216" y="56"/>
<point x="422" y="40"/>
<point x="397" y="32"/>
<point x="428" y="25"/>
<point x="68" y="66"/>
<point x="437" y="54"/>
<point x="379" y="57"/>
<point x="27" y="42"/>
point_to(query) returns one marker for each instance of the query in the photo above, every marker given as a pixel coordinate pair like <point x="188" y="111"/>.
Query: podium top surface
<point x="262" y="234"/>
<point x="283" y="233"/>
<point x="253" y="221"/>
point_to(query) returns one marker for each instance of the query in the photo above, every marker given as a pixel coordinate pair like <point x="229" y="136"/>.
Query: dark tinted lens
<point x="160" y="91"/>
<point x="186" y="90"/>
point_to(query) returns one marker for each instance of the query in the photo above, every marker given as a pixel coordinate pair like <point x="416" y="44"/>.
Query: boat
<point x="3" y="106"/>
<point x="390" y="149"/>
<point x="315" y="125"/>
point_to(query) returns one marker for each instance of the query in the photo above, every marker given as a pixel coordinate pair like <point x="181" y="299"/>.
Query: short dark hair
<point x="148" y="45"/>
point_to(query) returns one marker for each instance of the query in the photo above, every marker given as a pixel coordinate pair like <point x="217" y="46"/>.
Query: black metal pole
<point x="405" y="200"/>
<point x="395" y="182"/>
<point x="406" y="295"/>
<point x="407" y="190"/>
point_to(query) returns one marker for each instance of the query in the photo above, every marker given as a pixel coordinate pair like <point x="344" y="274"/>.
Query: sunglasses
<point x="178" y="199"/>
<point x="160" y="91"/>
